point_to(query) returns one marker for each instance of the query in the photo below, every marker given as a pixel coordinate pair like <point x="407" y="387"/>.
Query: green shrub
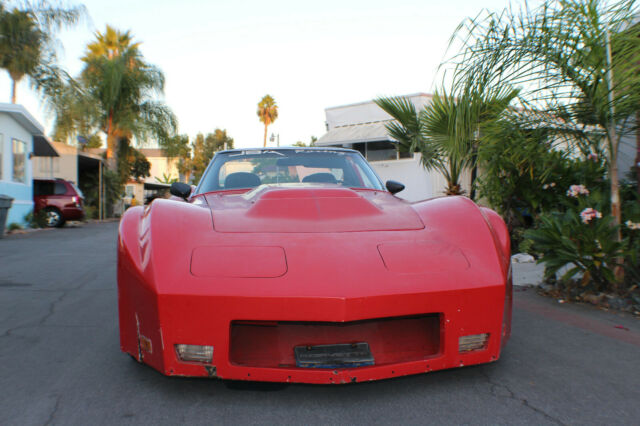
<point x="583" y="241"/>
<point x="90" y="212"/>
<point x="36" y="221"/>
<point x="524" y="176"/>
<point x="14" y="226"/>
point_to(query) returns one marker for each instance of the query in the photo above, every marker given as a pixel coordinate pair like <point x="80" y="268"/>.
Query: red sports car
<point x="297" y="265"/>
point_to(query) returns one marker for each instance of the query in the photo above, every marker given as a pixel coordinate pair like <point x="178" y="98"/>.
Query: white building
<point x="361" y="126"/>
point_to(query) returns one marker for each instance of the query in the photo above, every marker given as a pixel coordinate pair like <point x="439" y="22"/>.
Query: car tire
<point x="53" y="218"/>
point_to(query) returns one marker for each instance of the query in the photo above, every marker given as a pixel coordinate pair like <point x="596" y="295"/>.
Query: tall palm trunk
<point x="112" y="145"/>
<point x="13" y="91"/>
<point x="264" y="144"/>
<point x="15" y="79"/>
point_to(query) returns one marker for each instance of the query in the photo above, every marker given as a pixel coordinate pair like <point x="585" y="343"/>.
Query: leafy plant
<point x="38" y="220"/>
<point x="113" y="188"/>
<point x="577" y="62"/>
<point x="447" y="131"/>
<point x="13" y="226"/>
<point x="581" y="238"/>
<point x="525" y="174"/>
<point x="91" y="212"/>
<point x="563" y="239"/>
<point x="166" y="178"/>
<point x="28" y="42"/>
<point x="117" y="93"/>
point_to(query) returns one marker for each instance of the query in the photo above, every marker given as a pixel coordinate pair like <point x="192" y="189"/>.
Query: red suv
<point x="61" y="200"/>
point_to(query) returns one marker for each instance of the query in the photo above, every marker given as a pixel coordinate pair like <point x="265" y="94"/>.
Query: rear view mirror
<point x="181" y="190"/>
<point x="394" y="187"/>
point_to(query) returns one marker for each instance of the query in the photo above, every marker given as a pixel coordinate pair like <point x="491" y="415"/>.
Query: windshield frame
<point x="359" y="159"/>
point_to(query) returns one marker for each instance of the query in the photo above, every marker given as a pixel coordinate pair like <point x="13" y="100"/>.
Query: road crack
<point x="510" y="394"/>
<point x="84" y="279"/>
<point x="54" y="411"/>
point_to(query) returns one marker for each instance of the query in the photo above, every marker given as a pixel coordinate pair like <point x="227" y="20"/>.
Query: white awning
<point x="366" y="132"/>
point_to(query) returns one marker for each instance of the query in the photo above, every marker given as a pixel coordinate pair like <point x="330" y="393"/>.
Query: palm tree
<point x="21" y="44"/>
<point x="119" y="90"/>
<point x="576" y="60"/>
<point x="28" y="44"/>
<point x="111" y="43"/>
<point x="268" y="113"/>
<point x="408" y="130"/>
<point x="447" y="132"/>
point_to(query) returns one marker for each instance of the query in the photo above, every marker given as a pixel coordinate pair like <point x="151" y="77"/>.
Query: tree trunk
<point x="112" y="152"/>
<point x="264" y="144"/>
<point x="615" y="200"/>
<point x="14" y="85"/>
<point x="615" y="187"/>
<point x="112" y="145"/>
<point x="637" y="165"/>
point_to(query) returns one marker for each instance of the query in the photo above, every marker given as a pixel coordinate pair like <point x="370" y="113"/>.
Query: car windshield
<point x="251" y="168"/>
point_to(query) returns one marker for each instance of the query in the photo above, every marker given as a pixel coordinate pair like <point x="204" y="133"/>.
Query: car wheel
<point x="53" y="218"/>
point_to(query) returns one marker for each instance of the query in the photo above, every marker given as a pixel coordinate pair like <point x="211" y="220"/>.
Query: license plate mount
<point x="342" y="355"/>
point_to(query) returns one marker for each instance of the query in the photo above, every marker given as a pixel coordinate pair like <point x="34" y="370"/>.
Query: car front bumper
<point x="254" y="337"/>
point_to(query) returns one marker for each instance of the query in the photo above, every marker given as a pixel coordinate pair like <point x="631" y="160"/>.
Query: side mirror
<point x="394" y="187"/>
<point x="181" y="190"/>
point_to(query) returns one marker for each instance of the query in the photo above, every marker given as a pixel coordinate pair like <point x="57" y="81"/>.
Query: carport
<point x="88" y="165"/>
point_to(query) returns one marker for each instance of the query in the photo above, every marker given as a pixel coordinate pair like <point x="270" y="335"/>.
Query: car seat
<point x="320" y="178"/>
<point x="241" y="180"/>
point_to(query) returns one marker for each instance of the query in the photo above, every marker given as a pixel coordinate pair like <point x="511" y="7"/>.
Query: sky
<point x="221" y="57"/>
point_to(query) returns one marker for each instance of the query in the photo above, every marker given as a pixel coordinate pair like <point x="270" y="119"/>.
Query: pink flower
<point x="589" y="214"/>
<point x="632" y="226"/>
<point x="575" y="190"/>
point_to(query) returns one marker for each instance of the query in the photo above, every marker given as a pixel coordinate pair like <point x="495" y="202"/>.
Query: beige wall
<point x="136" y="189"/>
<point x="161" y="166"/>
<point x="65" y="166"/>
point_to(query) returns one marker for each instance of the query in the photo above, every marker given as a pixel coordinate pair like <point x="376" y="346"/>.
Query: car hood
<point x="310" y="209"/>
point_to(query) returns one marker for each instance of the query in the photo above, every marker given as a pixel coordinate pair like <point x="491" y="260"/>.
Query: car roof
<point x="289" y="148"/>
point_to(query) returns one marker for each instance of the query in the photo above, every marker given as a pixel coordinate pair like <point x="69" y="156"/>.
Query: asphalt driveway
<point x="60" y="361"/>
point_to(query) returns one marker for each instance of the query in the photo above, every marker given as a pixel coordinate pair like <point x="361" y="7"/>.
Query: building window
<point x="129" y="190"/>
<point x="19" y="161"/>
<point x="380" y="151"/>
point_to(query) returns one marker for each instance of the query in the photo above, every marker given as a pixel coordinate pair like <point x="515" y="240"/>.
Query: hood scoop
<point x="303" y="209"/>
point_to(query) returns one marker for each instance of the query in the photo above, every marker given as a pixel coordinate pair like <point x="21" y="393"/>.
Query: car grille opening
<point x="270" y="344"/>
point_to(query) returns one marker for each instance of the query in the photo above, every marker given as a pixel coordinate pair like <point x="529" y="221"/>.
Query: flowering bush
<point x="524" y="177"/>
<point x="585" y="243"/>
<point x="633" y="226"/>
<point x="577" y="190"/>
<point x="589" y="214"/>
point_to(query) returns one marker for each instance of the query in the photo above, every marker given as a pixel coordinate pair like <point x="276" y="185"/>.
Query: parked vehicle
<point x="297" y="265"/>
<point x="60" y="200"/>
